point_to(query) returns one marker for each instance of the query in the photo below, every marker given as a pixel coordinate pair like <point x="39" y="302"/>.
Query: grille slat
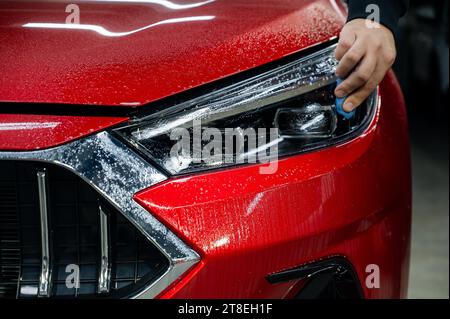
<point x="74" y="237"/>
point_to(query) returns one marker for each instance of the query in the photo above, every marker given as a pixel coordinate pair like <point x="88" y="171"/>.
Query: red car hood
<point x="133" y="52"/>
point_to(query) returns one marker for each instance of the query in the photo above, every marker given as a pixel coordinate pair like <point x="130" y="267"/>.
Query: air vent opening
<point x="332" y="278"/>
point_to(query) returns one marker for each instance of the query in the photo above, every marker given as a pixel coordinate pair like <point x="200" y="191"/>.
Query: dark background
<point x="422" y="67"/>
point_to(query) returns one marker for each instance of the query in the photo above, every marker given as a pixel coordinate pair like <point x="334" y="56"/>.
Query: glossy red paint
<point x="32" y="132"/>
<point x="128" y="53"/>
<point x="352" y="200"/>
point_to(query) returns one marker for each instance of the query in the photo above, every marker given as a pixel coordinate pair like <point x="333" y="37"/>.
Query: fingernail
<point x="340" y="93"/>
<point x="349" y="106"/>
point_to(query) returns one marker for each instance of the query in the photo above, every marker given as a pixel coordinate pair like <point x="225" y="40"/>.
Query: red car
<point x="95" y="202"/>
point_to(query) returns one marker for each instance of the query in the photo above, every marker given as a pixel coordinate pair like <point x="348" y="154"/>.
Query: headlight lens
<point x="295" y="101"/>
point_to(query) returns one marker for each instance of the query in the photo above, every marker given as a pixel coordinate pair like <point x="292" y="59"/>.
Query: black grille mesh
<point x="74" y="237"/>
<point x="9" y="238"/>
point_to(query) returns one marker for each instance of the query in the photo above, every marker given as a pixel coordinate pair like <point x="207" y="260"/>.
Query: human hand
<point x="365" y="55"/>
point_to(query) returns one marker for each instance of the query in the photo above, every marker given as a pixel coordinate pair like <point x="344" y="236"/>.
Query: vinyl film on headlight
<point x="295" y="102"/>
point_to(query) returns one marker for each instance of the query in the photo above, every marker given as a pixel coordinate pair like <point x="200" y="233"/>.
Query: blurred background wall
<point x="422" y="67"/>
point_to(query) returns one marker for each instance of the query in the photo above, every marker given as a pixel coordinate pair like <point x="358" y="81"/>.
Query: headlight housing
<point x="295" y="102"/>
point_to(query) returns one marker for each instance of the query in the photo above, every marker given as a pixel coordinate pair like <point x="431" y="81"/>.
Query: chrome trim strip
<point x="44" y="278"/>
<point x="117" y="173"/>
<point x="104" y="277"/>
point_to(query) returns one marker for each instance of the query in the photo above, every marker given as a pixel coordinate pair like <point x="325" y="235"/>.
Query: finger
<point x="359" y="77"/>
<point x="346" y="39"/>
<point x="359" y="96"/>
<point x="351" y="58"/>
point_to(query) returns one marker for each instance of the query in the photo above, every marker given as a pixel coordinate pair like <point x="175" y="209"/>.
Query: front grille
<point x="9" y="240"/>
<point x="79" y="241"/>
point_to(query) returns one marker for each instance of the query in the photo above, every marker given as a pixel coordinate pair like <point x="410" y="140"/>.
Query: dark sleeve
<point x="390" y="11"/>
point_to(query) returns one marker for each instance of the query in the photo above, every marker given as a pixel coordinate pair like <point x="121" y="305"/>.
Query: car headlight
<point x="295" y="101"/>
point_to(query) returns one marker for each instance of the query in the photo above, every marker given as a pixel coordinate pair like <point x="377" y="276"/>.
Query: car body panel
<point x="130" y="53"/>
<point x="352" y="200"/>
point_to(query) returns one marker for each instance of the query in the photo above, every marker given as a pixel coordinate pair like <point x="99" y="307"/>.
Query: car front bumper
<point x="225" y="232"/>
<point x="352" y="201"/>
